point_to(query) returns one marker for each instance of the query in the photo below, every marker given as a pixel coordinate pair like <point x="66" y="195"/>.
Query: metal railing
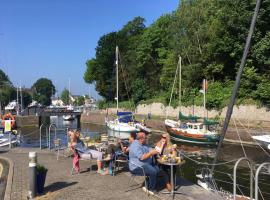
<point x="40" y="135"/>
<point x="261" y="166"/>
<point x="55" y="127"/>
<point x="235" y="176"/>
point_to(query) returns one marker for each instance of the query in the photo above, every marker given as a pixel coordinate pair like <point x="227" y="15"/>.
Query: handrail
<point x="40" y="129"/>
<point x="52" y="124"/>
<point x="263" y="165"/>
<point x="234" y="176"/>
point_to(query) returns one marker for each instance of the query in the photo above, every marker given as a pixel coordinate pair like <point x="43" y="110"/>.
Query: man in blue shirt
<point x="140" y="155"/>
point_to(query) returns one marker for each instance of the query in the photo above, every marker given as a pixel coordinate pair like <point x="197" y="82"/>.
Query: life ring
<point x="8" y="116"/>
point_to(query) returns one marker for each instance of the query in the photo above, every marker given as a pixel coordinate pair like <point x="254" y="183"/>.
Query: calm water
<point x="223" y="173"/>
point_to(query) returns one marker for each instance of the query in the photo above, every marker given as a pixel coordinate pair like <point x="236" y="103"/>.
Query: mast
<point x="17" y="106"/>
<point x="21" y="98"/>
<point x="237" y="81"/>
<point x="69" y="91"/>
<point x="180" y="83"/>
<point x="116" y="62"/>
<point x="204" y="96"/>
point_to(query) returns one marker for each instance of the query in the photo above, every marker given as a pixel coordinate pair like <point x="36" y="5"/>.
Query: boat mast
<point x="69" y="91"/>
<point x="204" y="96"/>
<point x="180" y="83"/>
<point x="21" y="98"/>
<point x="17" y="106"/>
<point x="116" y="62"/>
<point x="237" y="81"/>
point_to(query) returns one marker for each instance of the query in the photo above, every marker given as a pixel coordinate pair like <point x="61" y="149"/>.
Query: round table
<point x="172" y="192"/>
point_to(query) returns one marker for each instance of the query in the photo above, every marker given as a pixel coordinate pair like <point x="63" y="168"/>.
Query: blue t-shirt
<point x="136" y="150"/>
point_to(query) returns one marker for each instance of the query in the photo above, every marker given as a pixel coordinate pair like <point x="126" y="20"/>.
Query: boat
<point x="188" y="129"/>
<point x="68" y="117"/>
<point x="193" y="132"/>
<point x="124" y="122"/>
<point x="8" y="138"/>
<point x="263" y="140"/>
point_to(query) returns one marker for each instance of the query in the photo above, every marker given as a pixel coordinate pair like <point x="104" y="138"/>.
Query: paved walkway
<point x="60" y="184"/>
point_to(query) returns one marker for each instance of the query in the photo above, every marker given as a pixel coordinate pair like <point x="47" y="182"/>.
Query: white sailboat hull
<point x="121" y="127"/>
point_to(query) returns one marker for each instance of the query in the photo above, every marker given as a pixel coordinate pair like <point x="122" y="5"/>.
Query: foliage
<point x="79" y="101"/>
<point x="41" y="169"/>
<point x="65" y="96"/>
<point x="7" y="92"/>
<point x="43" y="90"/>
<point x="209" y="35"/>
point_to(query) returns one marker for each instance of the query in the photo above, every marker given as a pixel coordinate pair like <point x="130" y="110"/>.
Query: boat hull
<point x="180" y="136"/>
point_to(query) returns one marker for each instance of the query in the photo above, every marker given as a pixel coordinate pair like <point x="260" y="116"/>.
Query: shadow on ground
<point x="58" y="186"/>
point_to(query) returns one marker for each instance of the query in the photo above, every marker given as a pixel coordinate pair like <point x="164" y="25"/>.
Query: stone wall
<point x="242" y="112"/>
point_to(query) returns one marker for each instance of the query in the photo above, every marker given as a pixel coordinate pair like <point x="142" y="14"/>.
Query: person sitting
<point x="141" y="155"/>
<point x="77" y="145"/>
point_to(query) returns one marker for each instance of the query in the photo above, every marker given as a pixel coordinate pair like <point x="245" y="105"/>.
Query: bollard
<point x="32" y="175"/>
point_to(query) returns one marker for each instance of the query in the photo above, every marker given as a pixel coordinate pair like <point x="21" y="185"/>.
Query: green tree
<point x="79" y="101"/>
<point x="7" y="92"/>
<point x="65" y="96"/>
<point x="43" y="90"/>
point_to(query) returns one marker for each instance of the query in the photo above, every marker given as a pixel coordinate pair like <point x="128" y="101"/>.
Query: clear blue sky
<point x="54" y="38"/>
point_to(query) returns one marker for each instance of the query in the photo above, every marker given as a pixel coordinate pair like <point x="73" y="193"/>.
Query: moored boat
<point x="264" y="140"/>
<point x="193" y="132"/>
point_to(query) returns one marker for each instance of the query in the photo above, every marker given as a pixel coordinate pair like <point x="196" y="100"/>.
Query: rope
<point x="204" y="163"/>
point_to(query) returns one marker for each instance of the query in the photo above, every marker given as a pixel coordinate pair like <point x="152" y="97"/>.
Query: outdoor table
<point x="173" y="191"/>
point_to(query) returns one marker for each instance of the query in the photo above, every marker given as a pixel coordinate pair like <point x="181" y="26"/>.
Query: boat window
<point x="201" y="126"/>
<point x="190" y="126"/>
<point x="195" y="127"/>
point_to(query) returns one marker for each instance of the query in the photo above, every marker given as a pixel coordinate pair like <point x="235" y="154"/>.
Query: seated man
<point x="142" y="155"/>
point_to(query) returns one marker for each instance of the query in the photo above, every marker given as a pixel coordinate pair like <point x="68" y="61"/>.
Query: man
<point x="141" y="155"/>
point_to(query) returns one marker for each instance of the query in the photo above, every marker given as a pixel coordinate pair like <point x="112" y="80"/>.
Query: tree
<point x="7" y="92"/>
<point x="43" y="91"/>
<point x="65" y="96"/>
<point x="79" y="101"/>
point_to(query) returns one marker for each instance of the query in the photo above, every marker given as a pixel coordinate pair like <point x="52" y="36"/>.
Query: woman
<point x="81" y="150"/>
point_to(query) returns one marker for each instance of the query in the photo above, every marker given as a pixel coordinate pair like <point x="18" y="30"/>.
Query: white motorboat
<point x="264" y="140"/>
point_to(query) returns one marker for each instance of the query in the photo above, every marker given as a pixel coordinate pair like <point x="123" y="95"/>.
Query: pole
<point x="21" y="99"/>
<point x="32" y="175"/>
<point x="116" y="62"/>
<point x="180" y="83"/>
<point x="237" y="81"/>
<point x="17" y="106"/>
<point x="204" y="97"/>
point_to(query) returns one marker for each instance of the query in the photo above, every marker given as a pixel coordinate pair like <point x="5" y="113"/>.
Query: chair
<point x="133" y="175"/>
<point x="117" y="160"/>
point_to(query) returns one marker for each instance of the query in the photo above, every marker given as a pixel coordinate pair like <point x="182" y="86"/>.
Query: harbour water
<point x="196" y="157"/>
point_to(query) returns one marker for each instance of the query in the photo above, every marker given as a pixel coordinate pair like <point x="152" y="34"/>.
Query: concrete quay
<point x="60" y="184"/>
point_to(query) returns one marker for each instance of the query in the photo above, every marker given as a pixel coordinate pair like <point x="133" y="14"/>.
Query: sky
<point x="55" y="38"/>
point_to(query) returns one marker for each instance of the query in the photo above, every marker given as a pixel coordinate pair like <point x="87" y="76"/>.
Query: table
<point x="172" y="192"/>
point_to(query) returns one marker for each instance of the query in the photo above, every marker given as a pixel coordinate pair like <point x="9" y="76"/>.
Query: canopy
<point x="125" y="117"/>
<point x="190" y="117"/>
<point x="209" y="122"/>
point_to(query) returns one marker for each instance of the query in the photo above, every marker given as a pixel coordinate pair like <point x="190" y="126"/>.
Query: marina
<point x="168" y="104"/>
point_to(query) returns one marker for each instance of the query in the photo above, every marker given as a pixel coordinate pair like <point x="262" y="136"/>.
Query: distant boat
<point x="11" y="106"/>
<point x="68" y="117"/>
<point x="264" y="140"/>
<point x="6" y="141"/>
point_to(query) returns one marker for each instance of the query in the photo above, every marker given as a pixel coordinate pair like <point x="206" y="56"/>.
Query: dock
<point x="60" y="184"/>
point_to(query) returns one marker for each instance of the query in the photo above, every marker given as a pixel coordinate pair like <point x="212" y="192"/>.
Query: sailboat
<point x="124" y="124"/>
<point x="188" y="129"/>
<point x="69" y="107"/>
